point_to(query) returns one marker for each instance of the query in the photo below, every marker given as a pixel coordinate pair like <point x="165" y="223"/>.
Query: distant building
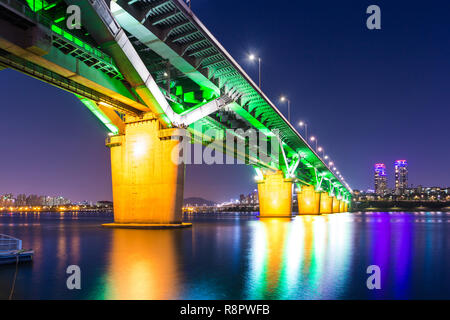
<point x="7" y="200"/>
<point x="253" y="198"/>
<point x="34" y="200"/>
<point x="55" y="201"/>
<point x="401" y="176"/>
<point x="104" y="204"/>
<point x="380" y="179"/>
<point x="21" y="200"/>
<point x="420" y="193"/>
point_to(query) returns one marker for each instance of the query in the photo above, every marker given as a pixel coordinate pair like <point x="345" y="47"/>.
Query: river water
<point x="233" y="257"/>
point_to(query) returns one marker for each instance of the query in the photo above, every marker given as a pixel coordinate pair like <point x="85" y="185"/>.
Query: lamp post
<point x="283" y="99"/>
<point x="303" y="124"/>
<point x="252" y="57"/>
<point x="314" y="139"/>
<point x="320" y="149"/>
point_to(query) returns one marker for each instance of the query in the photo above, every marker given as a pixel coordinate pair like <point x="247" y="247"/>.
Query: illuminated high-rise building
<point x="401" y="176"/>
<point x="380" y="179"/>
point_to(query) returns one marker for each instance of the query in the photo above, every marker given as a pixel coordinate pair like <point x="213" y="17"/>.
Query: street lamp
<point x="314" y="139"/>
<point x="320" y="149"/>
<point x="252" y="57"/>
<point x="303" y="124"/>
<point x="283" y="99"/>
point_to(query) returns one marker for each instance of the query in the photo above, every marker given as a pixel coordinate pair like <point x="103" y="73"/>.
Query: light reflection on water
<point x="230" y="257"/>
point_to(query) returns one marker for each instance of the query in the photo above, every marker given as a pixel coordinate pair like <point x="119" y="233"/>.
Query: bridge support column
<point x="336" y="205"/>
<point x="326" y="203"/>
<point x="341" y="206"/>
<point x="345" y="207"/>
<point x="275" y="196"/>
<point x="308" y="200"/>
<point x="147" y="184"/>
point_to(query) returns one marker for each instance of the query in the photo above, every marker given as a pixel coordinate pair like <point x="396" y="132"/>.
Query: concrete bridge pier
<point x="336" y="205"/>
<point x="341" y="206"/>
<point x="308" y="201"/>
<point x="326" y="203"/>
<point x="147" y="183"/>
<point x="275" y="195"/>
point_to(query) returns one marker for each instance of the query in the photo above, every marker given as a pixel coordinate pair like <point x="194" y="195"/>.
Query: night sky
<point x="369" y="96"/>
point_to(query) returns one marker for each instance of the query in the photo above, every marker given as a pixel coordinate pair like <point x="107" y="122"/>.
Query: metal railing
<point x="27" y="12"/>
<point x="17" y="63"/>
<point x="8" y="243"/>
<point x="60" y="35"/>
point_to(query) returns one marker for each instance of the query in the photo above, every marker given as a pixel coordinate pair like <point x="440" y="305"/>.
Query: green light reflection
<point x="290" y="259"/>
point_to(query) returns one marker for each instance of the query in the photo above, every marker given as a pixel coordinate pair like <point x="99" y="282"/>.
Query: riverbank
<point x="396" y="206"/>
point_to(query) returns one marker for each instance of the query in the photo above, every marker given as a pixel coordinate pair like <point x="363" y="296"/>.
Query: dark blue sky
<point x="369" y="96"/>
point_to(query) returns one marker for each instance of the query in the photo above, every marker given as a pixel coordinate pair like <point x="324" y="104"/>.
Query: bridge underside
<point x="146" y="69"/>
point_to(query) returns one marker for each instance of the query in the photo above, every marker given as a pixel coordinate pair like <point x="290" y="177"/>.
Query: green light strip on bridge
<point x="259" y="175"/>
<point x="37" y="5"/>
<point x="80" y="43"/>
<point x="92" y="106"/>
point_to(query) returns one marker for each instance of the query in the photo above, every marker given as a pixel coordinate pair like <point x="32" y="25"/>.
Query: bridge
<point x="153" y="74"/>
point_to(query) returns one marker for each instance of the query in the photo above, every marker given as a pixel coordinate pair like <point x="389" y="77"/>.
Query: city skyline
<point x="400" y="178"/>
<point x="48" y="153"/>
